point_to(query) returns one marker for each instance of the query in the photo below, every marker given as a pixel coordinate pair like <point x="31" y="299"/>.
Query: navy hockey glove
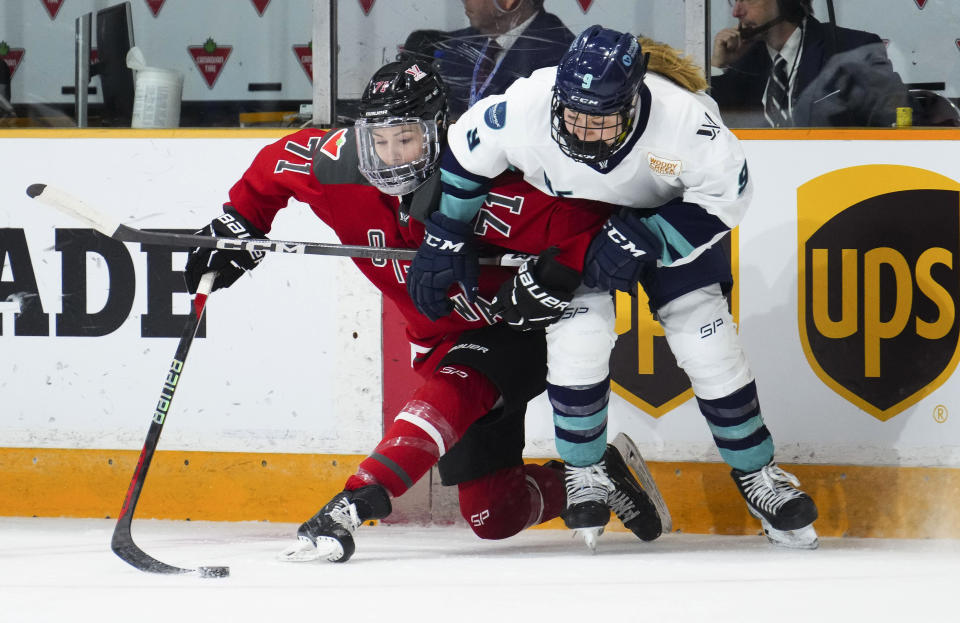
<point x="536" y="297"/>
<point x="229" y="264"/>
<point x="619" y="252"/>
<point x="446" y="256"/>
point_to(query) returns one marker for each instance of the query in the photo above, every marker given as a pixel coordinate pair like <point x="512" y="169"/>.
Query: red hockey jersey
<point x="319" y="168"/>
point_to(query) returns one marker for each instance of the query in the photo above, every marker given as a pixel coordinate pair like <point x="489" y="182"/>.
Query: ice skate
<point x="588" y="491"/>
<point x="786" y="513"/>
<point x="638" y="505"/>
<point x="329" y="533"/>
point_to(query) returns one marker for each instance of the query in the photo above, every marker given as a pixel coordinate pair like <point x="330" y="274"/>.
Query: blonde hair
<point x="672" y="64"/>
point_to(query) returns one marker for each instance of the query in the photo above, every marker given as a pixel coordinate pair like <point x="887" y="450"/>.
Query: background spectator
<point x="796" y="70"/>
<point x="506" y="40"/>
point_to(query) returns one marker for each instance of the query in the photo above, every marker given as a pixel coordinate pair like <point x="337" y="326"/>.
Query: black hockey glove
<point x="539" y="293"/>
<point x="229" y="264"/>
<point x="447" y="255"/>
<point x="619" y="252"/>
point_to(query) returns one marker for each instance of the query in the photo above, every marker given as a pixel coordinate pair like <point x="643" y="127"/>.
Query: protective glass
<point x="397" y="154"/>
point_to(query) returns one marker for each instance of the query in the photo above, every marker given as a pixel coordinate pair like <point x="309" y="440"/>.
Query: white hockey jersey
<point x="680" y="158"/>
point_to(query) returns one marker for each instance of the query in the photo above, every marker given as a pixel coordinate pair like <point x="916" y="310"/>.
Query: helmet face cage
<point x="610" y="131"/>
<point x="596" y="94"/>
<point x="397" y="154"/>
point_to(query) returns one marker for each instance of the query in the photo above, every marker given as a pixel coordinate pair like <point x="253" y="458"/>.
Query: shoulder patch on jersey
<point x="664" y="166"/>
<point x="496" y="115"/>
<point x="331" y="146"/>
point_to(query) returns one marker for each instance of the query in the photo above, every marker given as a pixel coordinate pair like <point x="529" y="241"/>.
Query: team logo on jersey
<point x="496" y="116"/>
<point x="210" y="59"/>
<point x="664" y="166"/>
<point x="643" y="369"/>
<point x="415" y="71"/>
<point x="11" y="56"/>
<point x="709" y="128"/>
<point x="331" y="147"/>
<point x="879" y="282"/>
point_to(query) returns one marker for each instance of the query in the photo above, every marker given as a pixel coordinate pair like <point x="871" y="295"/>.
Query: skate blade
<point x="631" y="454"/>
<point x="306" y="551"/>
<point x="589" y="536"/>
<point x="802" y="538"/>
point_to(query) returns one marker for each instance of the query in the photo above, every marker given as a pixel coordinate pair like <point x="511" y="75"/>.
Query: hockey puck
<point x="213" y="572"/>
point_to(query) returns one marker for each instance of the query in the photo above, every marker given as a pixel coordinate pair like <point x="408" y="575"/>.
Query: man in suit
<point x="795" y="70"/>
<point x="506" y="40"/>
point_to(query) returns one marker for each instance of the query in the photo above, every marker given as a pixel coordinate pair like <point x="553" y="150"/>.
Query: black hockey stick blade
<point x="108" y="226"/>
<point x="122" y="542"/>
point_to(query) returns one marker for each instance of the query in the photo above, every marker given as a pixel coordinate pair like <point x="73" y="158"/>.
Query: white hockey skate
<point x="785" y="512"/>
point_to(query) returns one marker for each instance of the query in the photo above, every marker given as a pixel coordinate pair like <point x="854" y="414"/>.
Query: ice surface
<point x="63" y="570"/>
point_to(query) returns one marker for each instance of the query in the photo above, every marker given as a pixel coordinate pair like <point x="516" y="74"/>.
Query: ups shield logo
<point x="879" y="283"/>
<point x="643" y="370"/>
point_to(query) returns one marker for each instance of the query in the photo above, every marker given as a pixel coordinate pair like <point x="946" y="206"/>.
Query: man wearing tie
<point x="796" y="70"/>
<point x="506" y="40"/>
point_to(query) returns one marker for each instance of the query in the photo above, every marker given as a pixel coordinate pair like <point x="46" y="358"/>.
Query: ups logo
<point x="643" y="370"/>
<point x="879" y="283"/>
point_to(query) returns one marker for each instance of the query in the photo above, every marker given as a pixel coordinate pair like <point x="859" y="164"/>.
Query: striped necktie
<point x="777" y="107"/>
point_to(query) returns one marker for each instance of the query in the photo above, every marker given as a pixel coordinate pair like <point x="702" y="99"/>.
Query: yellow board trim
<point x="860" y="501"/>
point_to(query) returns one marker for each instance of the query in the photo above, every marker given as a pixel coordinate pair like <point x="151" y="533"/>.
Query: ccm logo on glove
<point x="622" y="241"/>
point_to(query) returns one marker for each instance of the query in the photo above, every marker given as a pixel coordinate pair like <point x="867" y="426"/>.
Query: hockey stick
<point x="122" y="543"/>
<point x="108" y="226"/>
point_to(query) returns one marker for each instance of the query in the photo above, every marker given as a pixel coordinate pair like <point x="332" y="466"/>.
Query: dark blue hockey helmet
<point x="600" y="75"/>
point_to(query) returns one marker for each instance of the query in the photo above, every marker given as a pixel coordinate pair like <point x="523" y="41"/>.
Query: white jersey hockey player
<point x="600" y="127"/>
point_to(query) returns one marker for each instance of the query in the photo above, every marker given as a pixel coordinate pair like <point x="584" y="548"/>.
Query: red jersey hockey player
<point x="373" y="184"/>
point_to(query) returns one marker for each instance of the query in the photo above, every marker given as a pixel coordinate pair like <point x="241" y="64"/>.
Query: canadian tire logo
<point x="52" y="7"/>
<point x="11" y="56"/>
<point x="210" y="59"/>
<point x="304" y="54"/>
<point x="879" y="283"/>
<point x="584" y="5"/>
<point x="155" y="6"/>
<point x="260" y="6"/>
<point x="643" y="369"/>
<point x="367" y="6"/>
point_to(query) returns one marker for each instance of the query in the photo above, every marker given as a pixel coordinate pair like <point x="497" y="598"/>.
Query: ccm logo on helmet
<point x="584" y="100"/>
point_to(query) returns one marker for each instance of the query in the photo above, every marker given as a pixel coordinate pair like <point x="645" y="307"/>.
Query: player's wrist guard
<point x="446" y="256"/>
<point x="538" y="295"/>
<point x="229" y="264"/>
<point x="618" y="254"/>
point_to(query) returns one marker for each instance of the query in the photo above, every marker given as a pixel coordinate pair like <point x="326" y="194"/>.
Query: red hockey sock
<point x="428" y="425"/>
<point x="501" y="504"/>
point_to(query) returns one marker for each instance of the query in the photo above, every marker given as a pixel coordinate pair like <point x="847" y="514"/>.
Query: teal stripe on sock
<point x="749" y="460"/>
<point x="580" y="423"/>
<point x="582" y="454"/>
<point x="740" y="431"/>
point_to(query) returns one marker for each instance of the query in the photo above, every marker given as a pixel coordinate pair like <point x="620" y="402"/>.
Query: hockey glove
<point x="619" y="252"/>
<point x="229" y="264"/>
<point x="446" y="256"/>
<point x="536" y="297"/>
